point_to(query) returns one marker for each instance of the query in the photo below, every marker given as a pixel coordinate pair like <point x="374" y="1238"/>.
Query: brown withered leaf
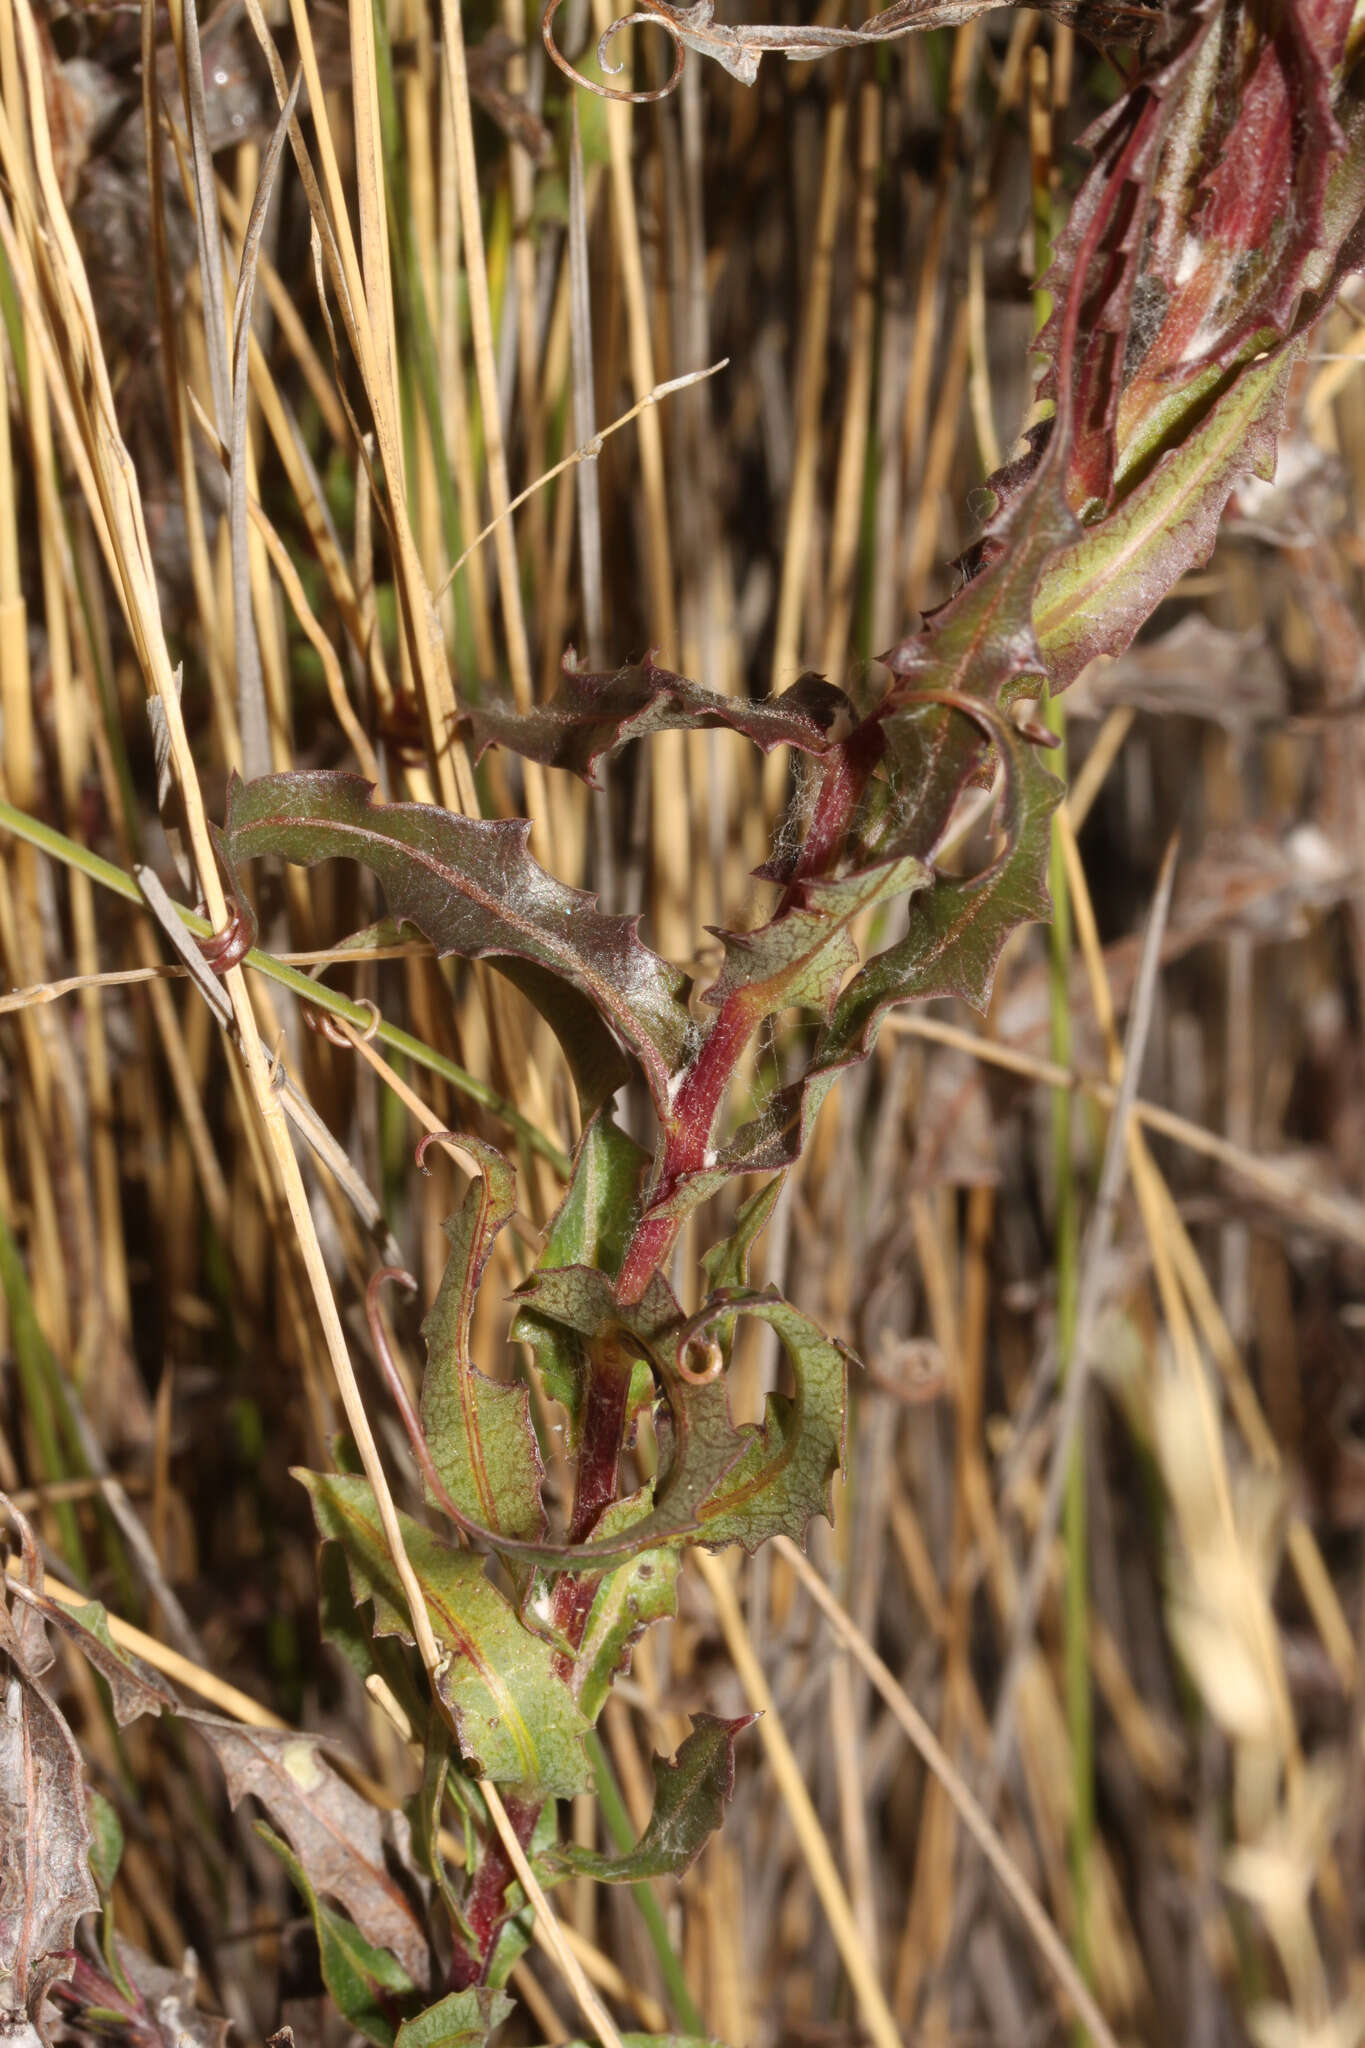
<point x="45" y="1880"/>
<point x="134" y="1687"/>
<point x="740" y="48"/>
<point x="337" y="1836"/>
<point x="1197" y="670"/>
<point x="168" y="1999"/>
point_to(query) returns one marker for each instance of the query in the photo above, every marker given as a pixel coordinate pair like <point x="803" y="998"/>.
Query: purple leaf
<point x="592" y="716"/>
<point x="472" y="888"/>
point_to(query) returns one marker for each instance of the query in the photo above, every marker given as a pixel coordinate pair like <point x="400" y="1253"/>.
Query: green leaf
<point x="1222" y="208"/>
<point x="799" y="959"/>
<point x="472" y="888"/>
<point x="106" y="1841"/>
<point x="515" y="1719"/>
<point x="785" y="1474"/>
<point x="627" y="1601"/>
<point x="690" y="1794"/>
<point x="703" y="1443"/>
<point x="1096" y="594"/>
<point x="479" y="1430"/>
<point x="953" y="940"/>
<point x="726" y="1264"/>
<point x="366" y="1983"/>
<point x="463" y="2019"/>
<point x="425" y="1813"/>
<point x="717" y="1484"/>
<point x="590" y="1228"/>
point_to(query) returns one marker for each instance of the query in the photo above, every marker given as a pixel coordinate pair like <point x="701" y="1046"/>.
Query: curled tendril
<point x="327" y="1026"/>
<point x="229" y="947"/>
<point x="604" y="41"/>
<point x="435" y="1138"/>
<point x="711" y="1361"/>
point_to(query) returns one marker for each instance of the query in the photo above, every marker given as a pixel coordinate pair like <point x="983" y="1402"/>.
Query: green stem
<point x="619" y="1827"/>
<point x="316" y="993"/>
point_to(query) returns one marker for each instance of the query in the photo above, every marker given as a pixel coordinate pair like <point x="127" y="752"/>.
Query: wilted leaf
<point x="45" y="1880"/>
<point x="592" y="716"/>
<point x="167" y="1999"/>
<point x="337" y="1836"/>
<point x="134" y="1687"/>
<point x="1196" y="670"/>
<point x="366" y="1983"/>
<point x="472" y="888"/>
<point x="690" y="1794"/>
<point x="138" y="2002"/>
<point x="516" y="1721"/>
<point x="739" y="50"/>
<point x="463" y="2019"/>
<point x="479" y="1430"/>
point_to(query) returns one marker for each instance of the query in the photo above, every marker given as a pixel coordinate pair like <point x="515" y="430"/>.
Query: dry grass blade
<point x="256" y="749"/>
<point x="1096" y="1243"/>
<point x="315" y="465"/>
<point x="973" y="1815"/>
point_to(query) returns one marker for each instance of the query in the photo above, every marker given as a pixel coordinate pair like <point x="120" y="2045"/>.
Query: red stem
<point x="695" y="1108"/>
<point x="485" y="1902"/>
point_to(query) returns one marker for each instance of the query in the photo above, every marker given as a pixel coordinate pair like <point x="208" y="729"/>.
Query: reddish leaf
<point x="472" y="888"/>
<point x="592" y="716"/>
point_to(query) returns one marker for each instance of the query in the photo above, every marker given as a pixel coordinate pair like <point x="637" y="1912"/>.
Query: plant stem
<point x="316" y="993"/>
<point x="845" y="775"/>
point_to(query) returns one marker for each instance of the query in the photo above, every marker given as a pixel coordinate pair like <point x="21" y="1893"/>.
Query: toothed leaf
<point x="337" y="1836"/>
<point x="592" y="716"/>
<point x="514" y="1717"/>
<point x="470" y="886"/>
<point x="462" y="2019"/>
<point x="479" y="1430"/>
<point x="691" y="1791"/>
